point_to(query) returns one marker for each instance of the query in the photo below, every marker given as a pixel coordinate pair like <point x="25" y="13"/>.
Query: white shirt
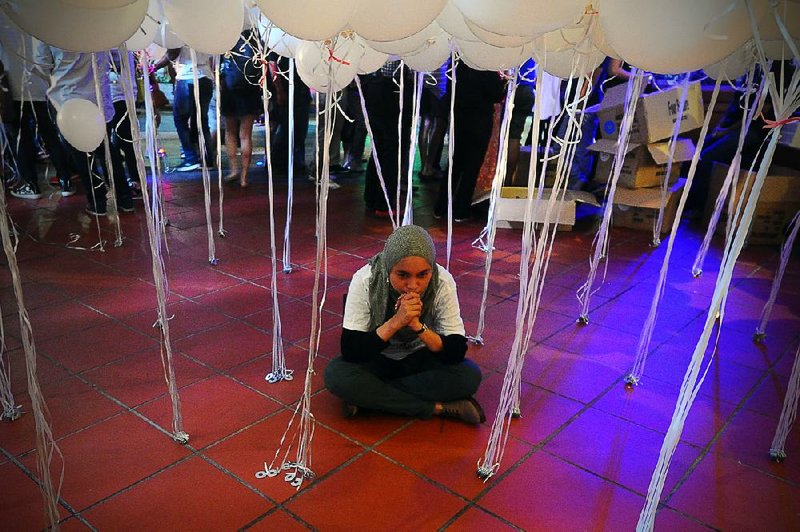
<point x="71" y="76"/>
<point x="16" y="53"/>
<point x="183" y="65"/>
<point x="444" y="319"/>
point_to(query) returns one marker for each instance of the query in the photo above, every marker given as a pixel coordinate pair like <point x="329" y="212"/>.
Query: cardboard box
<point x="638" y="208"/>
<point x="790" y="136"/>
<point x="655" y="113"/>
<point x="513" y="201"/>
<point x="777" y="204"/>
<point x="520" y="177"/>
<point x="643" y="166"/>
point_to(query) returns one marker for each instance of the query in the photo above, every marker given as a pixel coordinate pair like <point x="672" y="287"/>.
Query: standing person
<point x="435" y="115"/>
<point x="71" y="76"/>
<point x="382" y="98"/>
<point x="403" y="340"/>
<point x="30" y="113"/>
<point x="476" y="93"/>
<point x="184" y="108"/>
<point x="279" y="66"/>
<point x="122" y="138"/>
<point x="241" y="103"/>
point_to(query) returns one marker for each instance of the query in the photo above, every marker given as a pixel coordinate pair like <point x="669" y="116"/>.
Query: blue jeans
<point x="184" y="112"/>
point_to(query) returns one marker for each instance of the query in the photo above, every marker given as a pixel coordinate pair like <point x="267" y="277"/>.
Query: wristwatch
<point x="421" y="330"/>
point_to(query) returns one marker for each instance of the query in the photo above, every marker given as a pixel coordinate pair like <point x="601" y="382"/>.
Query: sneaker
<point x="126" y="207"/>
<point x="67" y="188"/>
<point x="187" y="167"/>
<point x="95" y="211"/>
<point x="25" y="192"/>
<point x="466" y="410"/>
<point x="338" y="169"/>
<point x="136" y="191"/>
<point x="333" y="185"/>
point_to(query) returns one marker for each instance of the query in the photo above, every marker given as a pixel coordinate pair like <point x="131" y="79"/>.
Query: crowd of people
<point x="39" y="81"/>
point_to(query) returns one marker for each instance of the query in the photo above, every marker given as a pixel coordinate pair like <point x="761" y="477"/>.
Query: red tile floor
<point x="580" y="457"/>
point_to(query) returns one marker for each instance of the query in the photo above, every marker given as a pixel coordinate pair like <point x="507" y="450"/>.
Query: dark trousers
<point x="280" y="140"/>
<point x="408" y="387"/>
<point x="383" y="109"/>
<point x="122" y="139"/>
<point x="35" y="118"/>
<point x="472" y="132"/>
<point x="184" y="111"/>
<point x="93" y="169"/>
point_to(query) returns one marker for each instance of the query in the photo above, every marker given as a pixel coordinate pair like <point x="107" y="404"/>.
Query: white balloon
<point x="97" y="4"/>
<point x="75" y="28"/>
<point x="148" y="30"/>
<point x="482" y="56"/>
<point x="600" y="42"/>
<point x="209" y="26"/>
<point x="390" y="20"/>
<point x="677" y="36"/>
<point x="372" y="59"/>
<point x="431" y="56"/>
<point x="735" y="65"/>
<point x="313" y="20"/>
<point x="282" y="43"/>
<point x="328" y="69"/>
<point x="497" y="39"/>
<point x="452" y="21"/>
<point x="521" y="17"/>
<point x="570" y="62"/>
<point x="409" y="44"/>
<point x="82" y="124"/>
<point x="772" y="39"/>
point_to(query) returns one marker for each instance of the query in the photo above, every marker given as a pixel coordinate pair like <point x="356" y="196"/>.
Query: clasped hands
<point x="408" y="310"/>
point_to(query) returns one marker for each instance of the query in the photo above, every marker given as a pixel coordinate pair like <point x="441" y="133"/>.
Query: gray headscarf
<point x="405" y="241"/>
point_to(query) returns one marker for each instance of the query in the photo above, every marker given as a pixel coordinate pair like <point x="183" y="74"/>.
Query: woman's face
<point x="411" y="274"/>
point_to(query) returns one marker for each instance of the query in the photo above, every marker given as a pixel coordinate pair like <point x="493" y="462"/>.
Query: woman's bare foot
<point x="231" y="177"/>
<point x="243" y="182"/>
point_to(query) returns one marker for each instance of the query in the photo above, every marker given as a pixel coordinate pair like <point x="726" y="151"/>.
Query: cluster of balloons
<point x="334" y="40"/>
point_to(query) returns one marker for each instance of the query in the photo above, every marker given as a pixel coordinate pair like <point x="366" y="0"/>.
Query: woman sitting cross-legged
<point x="403" y="342"/>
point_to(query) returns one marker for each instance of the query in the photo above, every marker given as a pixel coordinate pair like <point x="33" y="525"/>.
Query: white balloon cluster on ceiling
<point x="333" y="40"/>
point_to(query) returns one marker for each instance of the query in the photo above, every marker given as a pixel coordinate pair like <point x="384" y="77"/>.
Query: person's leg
<point x="48" y="132"/>
<point x="475" y="137"/>
<point x="123" y="140"/>
<point x="182" y="110"/>
<point x="431" y="380"/>
<point x="23" y="141"/>
<point x="121" y="186"/>
<point x="302" y="108"/>
<point x="246" y="140"/>
<point x="206" y="93"/>
<point x="231" y="130"/>
<point x="361" y="385"/>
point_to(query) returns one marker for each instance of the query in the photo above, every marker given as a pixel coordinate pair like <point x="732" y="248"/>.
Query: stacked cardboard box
<point x="777" y="204"/>
<point x="638" y="197"/>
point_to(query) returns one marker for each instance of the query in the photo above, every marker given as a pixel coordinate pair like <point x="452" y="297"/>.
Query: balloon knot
<point x="332" y="57"/>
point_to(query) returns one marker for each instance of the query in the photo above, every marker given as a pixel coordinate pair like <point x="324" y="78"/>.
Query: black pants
<point x="122" y="140"/>
<point x="280" y="140"/>
<point x="382" y="100"/>
<point x="408" y="387"/>
<point x="35" y="118"/>
<point x="472" y="131"/>
<point x="93" y="169"/>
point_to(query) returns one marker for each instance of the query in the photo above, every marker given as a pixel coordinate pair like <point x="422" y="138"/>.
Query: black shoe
<point x="126" y="207"/>
<point x="338" y="169"/>
<point x="136" y="191"/>
<point x="93" y="210"/>
<point x="349" y="411"/>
